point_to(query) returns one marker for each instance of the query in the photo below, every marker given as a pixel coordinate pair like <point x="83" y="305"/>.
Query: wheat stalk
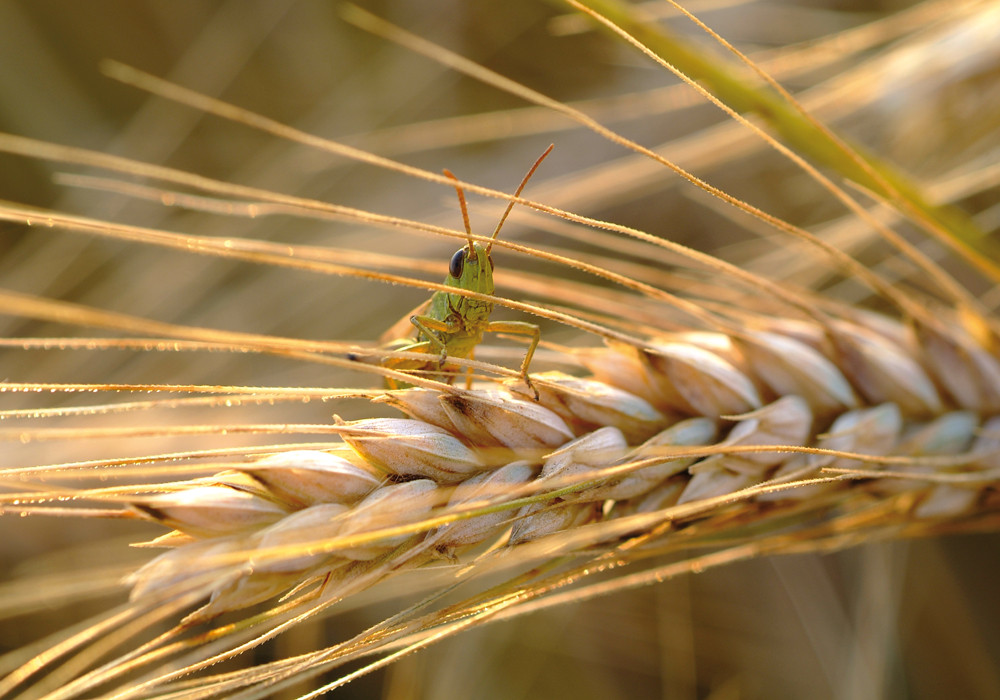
<point x="703" y="429"/>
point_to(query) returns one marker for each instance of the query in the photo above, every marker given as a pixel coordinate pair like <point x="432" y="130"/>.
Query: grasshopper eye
<point x="457" y="263"/>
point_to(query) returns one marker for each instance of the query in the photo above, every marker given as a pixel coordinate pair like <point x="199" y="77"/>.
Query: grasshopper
<point x="452" y="325"/>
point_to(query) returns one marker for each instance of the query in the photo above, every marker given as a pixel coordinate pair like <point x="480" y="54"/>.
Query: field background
<point x="903" y="619"/>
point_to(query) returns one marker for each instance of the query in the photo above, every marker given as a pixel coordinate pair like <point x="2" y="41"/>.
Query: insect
<point x="452" y="325"/>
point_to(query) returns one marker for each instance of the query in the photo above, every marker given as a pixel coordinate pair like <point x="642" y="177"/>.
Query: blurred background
<point x="917" y="84"/>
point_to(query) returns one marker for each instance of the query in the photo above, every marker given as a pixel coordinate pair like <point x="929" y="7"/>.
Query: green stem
<point x="730" y="85"/>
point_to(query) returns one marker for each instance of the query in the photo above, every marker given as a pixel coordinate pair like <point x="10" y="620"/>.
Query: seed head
<point x="949" y="434"/>
<point x="483" y="489"/>
<point x="421" y="404"/>
<point x="210" y="511"/>
<point x="412" y="448"/>
<point x="966" y="370"/>
<point x="499" y="419"/>
<point x="308" y="477"/>
<point x="872" y="431"/>
<point x="948" y="500"/>
<point x="209" y="564"/>
<point x="791" y="367"/>
<point x="247" y="590"/>
<point x="787" y="421"/>
<point x="711" y="483"/>
<point x="390" y="506"/>
<point x="619" y="366"/>
<point x="664" y="495"/>
<point x="583" y="458"/>
<point x="688" y="433"/>
<point x="884" y="371"/>
<point x="541" y="519"/>
<point x="699" y="382"/>
<point x="308" y="527"/>
<point x="587" y="404"/>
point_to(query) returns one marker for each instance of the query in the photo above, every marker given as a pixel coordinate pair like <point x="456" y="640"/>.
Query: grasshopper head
<point x="471" y="268"/>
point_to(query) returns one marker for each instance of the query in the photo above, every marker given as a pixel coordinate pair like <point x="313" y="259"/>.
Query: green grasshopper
<point x="452" y="324"/>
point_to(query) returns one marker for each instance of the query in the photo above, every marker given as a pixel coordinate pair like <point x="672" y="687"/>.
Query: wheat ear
<point x="675" y="430"/>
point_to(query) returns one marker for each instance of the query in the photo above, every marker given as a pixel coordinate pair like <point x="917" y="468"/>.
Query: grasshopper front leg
<point x="520" y="328"/>
<point x="426" y="324"/>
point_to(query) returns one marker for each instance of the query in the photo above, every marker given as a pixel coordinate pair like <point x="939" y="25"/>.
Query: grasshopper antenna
<point x="461" y="203"/>
<point x="510" y="205"/>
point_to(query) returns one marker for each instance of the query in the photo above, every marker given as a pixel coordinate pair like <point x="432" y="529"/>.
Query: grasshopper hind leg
<point x="521" y="328"/>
